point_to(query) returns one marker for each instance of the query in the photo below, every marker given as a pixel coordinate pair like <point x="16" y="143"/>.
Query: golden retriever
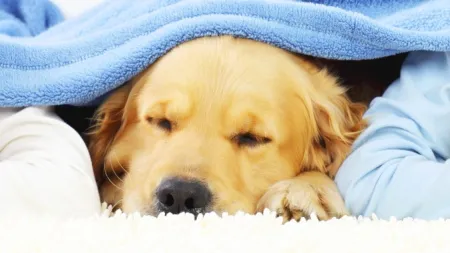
<point x="226" y="124"/>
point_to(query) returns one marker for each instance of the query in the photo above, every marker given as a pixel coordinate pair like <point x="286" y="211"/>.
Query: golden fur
<point x="186" y="114"/>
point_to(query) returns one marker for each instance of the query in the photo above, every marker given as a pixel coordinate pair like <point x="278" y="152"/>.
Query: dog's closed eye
<point x="250" y="140"/>
<point x="163" y="123"/>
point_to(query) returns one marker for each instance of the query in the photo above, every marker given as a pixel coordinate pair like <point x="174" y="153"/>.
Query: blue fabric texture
<point x="26" y="18"/>
<point x="77" y="61"/>
<point x="400" y="165"/>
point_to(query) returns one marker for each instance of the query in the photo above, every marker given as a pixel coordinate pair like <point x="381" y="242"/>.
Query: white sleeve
<point x="45" y="167"/>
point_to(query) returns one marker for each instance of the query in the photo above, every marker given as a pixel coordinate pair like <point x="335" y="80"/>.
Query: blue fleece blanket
<point x="46" y="61"/>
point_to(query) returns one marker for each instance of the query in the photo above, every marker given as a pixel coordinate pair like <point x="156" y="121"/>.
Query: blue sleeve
<point x="400" y="165"/>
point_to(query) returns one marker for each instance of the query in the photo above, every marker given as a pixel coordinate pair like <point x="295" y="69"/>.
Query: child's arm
<point x="399" y="165"/>
<point x="45" y="168"/>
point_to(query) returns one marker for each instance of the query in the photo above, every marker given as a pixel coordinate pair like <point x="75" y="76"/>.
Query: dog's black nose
<point x="176" y="195"/>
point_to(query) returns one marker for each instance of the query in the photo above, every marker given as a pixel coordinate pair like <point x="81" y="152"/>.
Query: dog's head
<point x="215" y="122"/>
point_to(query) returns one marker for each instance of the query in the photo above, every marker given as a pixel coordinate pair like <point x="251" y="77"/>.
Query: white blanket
<point x="116" y="232"/>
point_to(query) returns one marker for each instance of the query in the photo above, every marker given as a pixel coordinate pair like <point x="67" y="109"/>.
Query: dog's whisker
<point x="113" y="153"/>
<point x="117" y="203"/>
<point x="109" y="179"/>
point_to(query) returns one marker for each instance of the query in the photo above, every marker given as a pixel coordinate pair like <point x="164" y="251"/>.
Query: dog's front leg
<point x="309" y="192"/>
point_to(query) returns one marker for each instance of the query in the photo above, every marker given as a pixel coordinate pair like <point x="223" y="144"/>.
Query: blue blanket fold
<point x="47" y="61"/>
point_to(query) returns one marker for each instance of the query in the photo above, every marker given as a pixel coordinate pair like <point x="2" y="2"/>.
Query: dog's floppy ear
<point x="107" y="123"/>
<point x="339" y="122"/>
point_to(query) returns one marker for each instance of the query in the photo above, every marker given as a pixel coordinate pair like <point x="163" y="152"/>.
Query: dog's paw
<point x="310" y="192"/>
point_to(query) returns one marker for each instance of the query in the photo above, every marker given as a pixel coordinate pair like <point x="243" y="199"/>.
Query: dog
<point x="226" y="124"/>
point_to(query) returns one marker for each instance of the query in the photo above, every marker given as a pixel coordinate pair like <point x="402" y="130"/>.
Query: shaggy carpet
<point x="116" y="232"/>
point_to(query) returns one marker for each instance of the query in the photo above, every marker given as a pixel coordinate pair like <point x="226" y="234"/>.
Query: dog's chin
<point x="198" y="213"/>
<point x="156" y="210"/>
<point x="194" y="214"/>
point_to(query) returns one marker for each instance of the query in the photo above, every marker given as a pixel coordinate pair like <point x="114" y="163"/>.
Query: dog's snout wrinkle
<point x="177" y="195"/>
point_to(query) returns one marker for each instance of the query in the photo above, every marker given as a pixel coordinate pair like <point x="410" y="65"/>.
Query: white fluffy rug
<point x="116" y="232"/>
